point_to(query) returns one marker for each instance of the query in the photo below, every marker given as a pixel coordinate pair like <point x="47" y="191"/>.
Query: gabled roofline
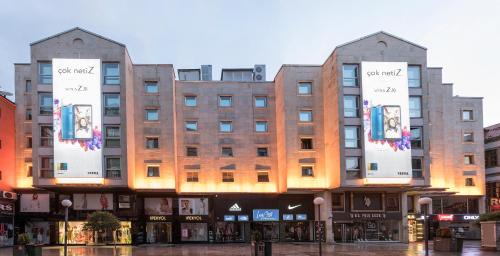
<point x="73" y="29"/>
<point x="380" y="32"/>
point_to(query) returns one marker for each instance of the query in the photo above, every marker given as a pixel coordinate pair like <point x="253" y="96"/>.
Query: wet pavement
<point x="281" y="249"/>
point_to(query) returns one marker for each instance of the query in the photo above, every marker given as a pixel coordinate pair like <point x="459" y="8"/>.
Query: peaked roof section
<point x="381" y="32"/>
<point x="81" y="29"/>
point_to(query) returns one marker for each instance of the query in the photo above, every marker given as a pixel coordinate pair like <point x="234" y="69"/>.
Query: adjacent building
<point x="180" y="157"/>
<point x="491" y="149"/>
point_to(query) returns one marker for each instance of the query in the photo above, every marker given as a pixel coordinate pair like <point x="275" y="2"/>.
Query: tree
<point x="100" y="221"/>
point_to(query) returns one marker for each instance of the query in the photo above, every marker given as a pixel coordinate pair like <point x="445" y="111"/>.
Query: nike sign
<point x="293" y="207"/>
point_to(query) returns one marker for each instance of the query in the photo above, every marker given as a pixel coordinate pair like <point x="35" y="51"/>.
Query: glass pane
<point x="113" y="163"/>
<point x="413" y="76"/>
<point x="190" y="101"/>
<point x="352" y="163"/>
<point x="305" y="116"/>
<point x="111" y="69"/>
<point x="351" y="133"/>
<point x="350" y="75"/>
<point x="416" y="133"/>
<point x="152" y="115"/>
<point x="261" y="126"/>
<point x="191" y="126"/>
<point x="151" y="87"/>
<point x="225" y="126"/>
<point x="46" y="69"/>
<point x="305" y="88"/>
<point x="260" y="102"/>
<point x="225" y="101"/>
<point x="112" y="132"/>
<point x="112" y="100"/>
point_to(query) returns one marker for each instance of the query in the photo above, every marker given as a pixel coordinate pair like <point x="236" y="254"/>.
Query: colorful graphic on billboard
<point x="158" y="206"/>
<point x="93" y="201"/>
<point x="193" y="206"/>
<point x="77" y="119"/>
<point x="386" y="120"/>
<point x="35" y="202"/>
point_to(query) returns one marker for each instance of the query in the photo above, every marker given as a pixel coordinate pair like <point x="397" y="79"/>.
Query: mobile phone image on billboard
<point x="82" y="121"/>
<point x="67" y="122"/>
<point x="377" y="126"/>
<point x="392" y="122"/>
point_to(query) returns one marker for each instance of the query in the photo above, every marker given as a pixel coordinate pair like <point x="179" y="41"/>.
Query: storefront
<point x="415" y="228"/>
<point x="78" y="236"/>
<point x="462" y="225"/>
<point x="193" y="218"/>
<point x="6" y="222"/>
<point x="159" y="220"/>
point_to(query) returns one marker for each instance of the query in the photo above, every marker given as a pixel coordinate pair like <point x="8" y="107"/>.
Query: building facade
<point x="186" y="158"/>
<point x="491" y="149"/>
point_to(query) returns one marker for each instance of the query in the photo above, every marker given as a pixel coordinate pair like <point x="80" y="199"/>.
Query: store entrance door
<point x="342" y="232"/>
<point x="159" y="232"/>
<point x="270" y="230"/>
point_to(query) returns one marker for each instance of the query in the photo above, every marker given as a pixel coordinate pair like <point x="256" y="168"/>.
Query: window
<point x="29" y="142"/>
<point x="29" y="115"/>
<point x="307" y="171"/>
<point x="151" y="87"/>
<point x="111" y="104"/>
<point x="29" y="173"/>
<point x="153" y="171"/>
<point x="46" y="167"/>
<point x="350" y="75"/>
<point x="260" y="101"/>
<point x="351" y="136"/>
<point x="45" y="73"/>
<point x="45" y="103"/>
<point x="416" y="166"/>
<point x="46" y="136"/>
<point x="190" y="101"/>
<point x="351" y="106"/>
<point x="189" y="74"/>
<point x="352" y="167"/>
<point x="261" y="126"/>
<point x="469" y="182"/>
<point x="112" y="139"/>
<point x="28" y="87"/>
<point x="227" y="177"/>
<point x="468" y="159"/>
<point x="338" y="204"/>
<point x="227" y="152"/>
<point x="414" y="76"/>
<point x="305" y="116"/>
<point x="392" y="202"/>
<point x="225" y="126"/>
<point x="225" y="101"/>
<point x="152" y="143"/>
<point x="113" y="167"/>
<point x="237" y="75"/>
<point x="152" y="114"/>
<point x="192" y="151"/>
<point x="262" y="177"/>
<point x="192" y="176"/>
<point x="111" y="73"/>
<point x="191" y="126"/>
<point x="416" y="137"/>
<point x="491" y="158"/>
<point x="306" y="143"/>
<point x="467" y="115"/>
<point x="468" y="137"/>
<point x="415" y="105"/>
<point x="305" y="88"/>
<point x="262" y="152"/>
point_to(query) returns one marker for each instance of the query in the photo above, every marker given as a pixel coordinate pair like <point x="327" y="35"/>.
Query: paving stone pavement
<point x="280" y="249"/>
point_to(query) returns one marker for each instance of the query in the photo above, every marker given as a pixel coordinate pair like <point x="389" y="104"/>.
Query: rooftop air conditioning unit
<point x="259" y="73"/>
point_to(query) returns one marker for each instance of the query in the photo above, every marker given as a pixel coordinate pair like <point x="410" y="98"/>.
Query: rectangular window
<point x="351" y="136"/>
<point x="262" y="176"/>
<point x="262" y="152"/>
<point x="305" y="88"/>
<point x="111" y="104"/>
<point x="46" y="136"/>
<point x="416" y="137"/>
<point x="113" y="167"/>
<point x="46" y="167"/>
<point x="305" y="116"/>
<point x="152" y="143"/>
<point x="190" y="101"/>
<point x="491" y="159"/>
<point x="44" y="73"/>
<point x="307" y="171"/>
<point x="28" y="87"/>
<point x="352" y="167"/>
<point x="306" y="143"/>
<point x="191" y="151"/>
<point x="191" y="126"/>
<point x="350" y="75"/>
<point x="225" y="101"/>
<point x="469" y="182"/>
<point x="192" y="177"/>
<point x="30" y="171"/>
<point x="416" y="166"/>
<point x="415" y="105"/>
<point x="260" y="101"/>
<point x="338" y="203"/>
<point x="225" y="126"/>
<point x="111" y="73"/>
<point x="227" y="152"/>
<point x="153" y="171"/>
<point x="414" y="76"/>
<point x="29" y="142"/>
<point x="152" y="114"/>
<point x="227" y="177"/>
<point x="112" y="139"/>
<point x="467" y="115"/>
<point x="45" y="103"/>
<point x="351" y="106"/>
<point x="468" y="137"/>
<point x="151" y="87"/>
<point x="468" y="159"/>
<point x="29" y="115"/>
<point x="392" y="202"/>
<point x="261" y="126"/>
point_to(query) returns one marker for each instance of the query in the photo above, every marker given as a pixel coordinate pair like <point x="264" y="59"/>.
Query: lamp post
<point x="318" y="201"/>
<point x="66" y="203"/>
<point x="425" y="202"/>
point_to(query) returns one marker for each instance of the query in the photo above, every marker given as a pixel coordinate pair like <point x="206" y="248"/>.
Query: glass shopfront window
<point x="159" y="232"/>
<point x="194" y="232"/>
<point x="76" y="234"/>
<point x="270" y="230"/>
<point x="6" y="232"/>
<point x="372" y="230"/>
<point x="298" y="231"/>
<point x="229" y="231"/>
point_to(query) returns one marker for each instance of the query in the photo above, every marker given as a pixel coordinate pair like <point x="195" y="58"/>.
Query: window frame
<point x="110" y="110"/>
<point x="195" y="122"/>
<point x="225" y="122"/>
<point x="41" y="76"/>
<point x="48" y="139"/>
<point x="46" y="172"/>
<point x="110" y="169"/>
<point x="226" y="177"/>
<point x="267" y="151"/>
<point x="351" y="170"/>
<point x="471" y="111"/>
<point x="189" y="151"/>
<point x="309" y="113"/>
<point x="147" y="84"/>
<point x="412" y="79"/>
<point x="415" y="172"/>
<point x="157" y="171"/>
<point x="355" y="78"/>
<point x="358" y="135"/>
<point x="420" y="115"/>
<point x="220" y="100"/>
<point x="310" y="88"/>
<point x="231" y="153"/>
<point x="420" y="141"/>
<point x="186" y="101"/>
<point x="307" y="166"/>
<point x="48" y="110"/>
<point x="262" y="174"/>
<point x="471" y="157"/>
<point x="151" y="110"/>
<point x="192" y="178"/>
<point x="105" y="77"/>
<point x="357" y="108"/>
<point x="266" y="126"/>
<point x="468" y="141"/>
<point x="152" y="138"/>
<point x="107" y="138"/>
<point x="260" y="97"/>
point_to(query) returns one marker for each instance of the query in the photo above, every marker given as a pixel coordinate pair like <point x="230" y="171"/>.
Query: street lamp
<point x="425" y="202"/>
<point x="319" y="201"/>
<point x="66" y="203"/>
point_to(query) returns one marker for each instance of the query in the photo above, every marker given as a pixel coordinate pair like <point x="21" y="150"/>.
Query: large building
<point x="492" y="164"/>
<point x="181" y="157"/>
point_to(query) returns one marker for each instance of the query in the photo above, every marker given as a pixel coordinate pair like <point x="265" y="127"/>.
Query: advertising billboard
<point x="193" y="206"/>
<point x="35" y="202"/>
<point x="158" y="206"/>
<point x="386" y="121"/>
<point x="93" y="201"/>
<point x="77" y="119"/>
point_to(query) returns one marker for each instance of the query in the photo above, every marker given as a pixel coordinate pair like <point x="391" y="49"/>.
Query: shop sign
<point x="157" y="218"/>
<point x="471" y="217"/>
<point x="193" y="218"/>
<point x="445" y="217"/>
<point x="229" y="218"/>
<point x="243" y="218"/>
<point x="6" y="208"/>
<point x="235" y="208"/>
<point x="287" y="216"/>
<point x="301" y="216"/>
<point x="266" y="214"/>
<point x="367" y="215"/>
<point x="495" y="204"/>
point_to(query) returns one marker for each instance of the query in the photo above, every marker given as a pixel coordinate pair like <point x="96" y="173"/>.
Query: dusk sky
<point x="463" y="37"/>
